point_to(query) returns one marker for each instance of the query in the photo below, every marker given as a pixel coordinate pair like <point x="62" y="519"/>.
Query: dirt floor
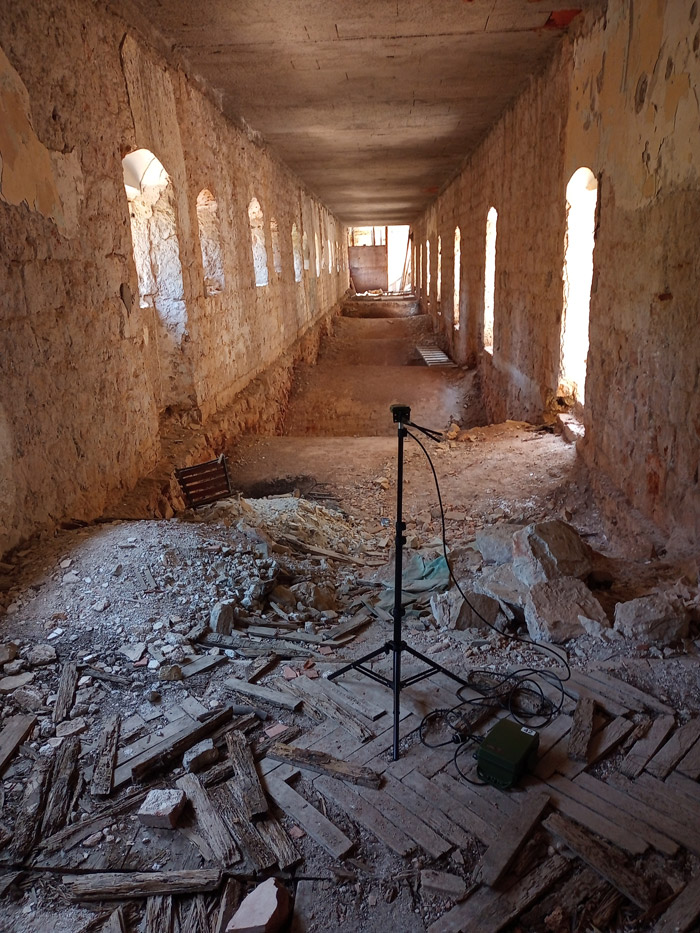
<point x="130" y="604"/>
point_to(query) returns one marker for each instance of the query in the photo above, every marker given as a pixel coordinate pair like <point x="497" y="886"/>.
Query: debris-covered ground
<point x="174" y="756"/>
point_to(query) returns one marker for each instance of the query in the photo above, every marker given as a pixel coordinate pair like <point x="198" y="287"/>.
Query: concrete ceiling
<point x="373" y="103"/>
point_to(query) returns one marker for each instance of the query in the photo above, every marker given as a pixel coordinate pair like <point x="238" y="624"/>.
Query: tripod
<point x="401" y="415"/>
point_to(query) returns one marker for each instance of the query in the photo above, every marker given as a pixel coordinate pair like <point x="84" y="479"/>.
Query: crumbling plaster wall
<point x="622" y="98"/>
<point x="80" y="371"/>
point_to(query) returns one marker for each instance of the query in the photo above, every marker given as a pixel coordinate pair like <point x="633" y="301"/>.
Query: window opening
<point x="490" y="278"/>
<point x="318" y="255"/>
<point x="210" y="243"/>
<point x="276" y="253"/>
<point x="257" y="239"/>
<point x="306" y="251"/>
<point x="577" y="276"/>
<point x="457" y="278"/>
<point x="296" y="253"/>
<point x="439" y="273"/>
<point x="427" y="268"/>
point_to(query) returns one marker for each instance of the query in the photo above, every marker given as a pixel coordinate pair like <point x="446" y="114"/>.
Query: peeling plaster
<point x="46" y="181"/>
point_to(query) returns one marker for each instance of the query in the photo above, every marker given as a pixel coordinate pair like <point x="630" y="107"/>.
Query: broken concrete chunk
<point x="442" y="882"/>
<point x="8" y="684"/>
<point x="162" y="808"/>
<point x="502" y="584"/>
<point x="40" y="655"/>
<point x="495" y="543"/>
<point x="451" y="611"/>
<point x="660" y="617"/>
<point x="200" y="756"/>
<point x="133" y="652"/>
<point x="546" y="550"/>
<point x="265" y="910"/>
<point x="170" y="672"/>
<point x="8" y="652"/>
<point x="28" y="699"/>
<point x="71" y="727"/>
<point x="553" y="609"/>
<point x="223" y="618"/>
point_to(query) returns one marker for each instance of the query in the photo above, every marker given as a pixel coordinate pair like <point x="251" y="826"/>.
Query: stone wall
<point x="622" y="99"/>
<point x="85" y="384"/>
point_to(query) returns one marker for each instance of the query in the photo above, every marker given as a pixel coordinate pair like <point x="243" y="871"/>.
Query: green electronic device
<point x="506" y="753"/>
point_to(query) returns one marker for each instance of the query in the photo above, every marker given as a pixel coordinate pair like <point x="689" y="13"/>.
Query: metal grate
<point x="433" y="356"/>
<point x="205" y="482"/>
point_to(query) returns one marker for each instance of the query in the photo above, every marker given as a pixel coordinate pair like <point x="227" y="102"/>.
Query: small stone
<point x="8" y="684"/>
<point x="162" y="808"/>
<point x="65" y="564"/>
<point x="133" y="652"/>
<point x="200" y="756"/>
<point x="28" y="699"/>
<point x="101" y="605"/>
<point x="71" y="577"/>
<point x="15" y="667"/>
<point x="222" y="618"/>
<point x="71" y="727"/>
<point x="40" y="655"/>
<point x="93" y="840"/>
<point x="57" y="632"/>
<point x="382" y="481"/>
<point x="8" y="652"/>
<point x="170" y="672"/>
<point x="266" y="909"/>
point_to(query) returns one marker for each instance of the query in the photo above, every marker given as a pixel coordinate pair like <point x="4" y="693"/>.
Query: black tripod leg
<point x="437" y="668"/>
<point x="355" y="665"/>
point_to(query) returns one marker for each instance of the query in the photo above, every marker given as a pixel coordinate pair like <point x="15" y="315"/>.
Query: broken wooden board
<point x="514" y="833"/>
<point x="689" y="765"/>
<point x="160" y="914"/>
<point x="601" y="744"/>
<point x="317" y="697"/>
<point x="16" y="730"/>
<point x="581" y="729"/>
<point x="325" y="833"/>
<point x="488" y="911"/>
<point x="168" y="749"/>
<point x="64" y="781"/>
<point x="579" y="686"/>
<point x="674" y="749"/>
<point x="103" y="772"/>
<point x="66" y="691"/>
<point x="452" y="825"/>
<point x="602" y="858"/>
<point x="277" y="839"/>
<point x="201" y="664"/>
<point x="247" y="780"/>
<point x="426" y="813"/>
<point x="645" y="748"/>
<point x="31" y="808"/>
<point x="626" y="693"/>
<point x="209" y="823"/>
<point x="405" y="820"/>
<point x="275" y="697"/>
<point x="261" y="666"/>
<point x="362" y="812"/>
<point x="106" y="886"/>
<point x="683" y="911"/>
<point x="323" y="763"/>
<point x="228" y="804"/>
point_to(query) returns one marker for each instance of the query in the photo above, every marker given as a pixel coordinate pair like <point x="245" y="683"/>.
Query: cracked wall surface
<point x="80" y="365"/>
<point x="621" y="98"/>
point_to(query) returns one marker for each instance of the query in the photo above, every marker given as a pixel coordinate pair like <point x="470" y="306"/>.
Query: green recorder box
<point x="507" y="751"/>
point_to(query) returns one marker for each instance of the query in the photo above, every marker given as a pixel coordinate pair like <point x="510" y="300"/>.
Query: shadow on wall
<point x="8" y="483"/>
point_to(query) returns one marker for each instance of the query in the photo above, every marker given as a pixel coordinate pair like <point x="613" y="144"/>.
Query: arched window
<point x="457" y="278"/>
<point x="257" y="239"/>
<point x="210" y="242"/>
<point x="577" y="275"/>
<point x="490" y="278"/>
<point x="439" y="271"/>
<point x="296" y="253"/>
<point x="154" y="236"/>
<point x="306" y="251"/>
<point x="427" y="268"/>
<point x="276" y="254"/>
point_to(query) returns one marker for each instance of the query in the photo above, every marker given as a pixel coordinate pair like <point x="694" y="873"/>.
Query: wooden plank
<point x="362" y="812"/>
<point x="325" y="833"/>
<point x="673" y="802"/>
<point x="66" y="691"/>
<point x="197" y="920"/>
<point x="689" y="765"/>
<point x="261" y="667"/>
<point x="116" y="922"/>
<point x="457" y="823"/>
<point x="581" y="729"/>
<point x="323" y="763"/>
<point x="606" y="688"/>
<point x="488" y="911"/>
<point x="317" y="696"/>
<point x="646" y="747"/>
<point x="406" y="821"/>
<point x="228" y="804"/>
<point x="31" y="808"/>
<point x="105" y="886"/>
<point x="378" y="748"/>
<point x="277" y="839"/>
<point x="160" y="733"/>
<point x="209" y="823"/>
<point x="601" y="744"/>
<point x="16" y="730"/>
<point x="641" y="802"/>
<point x="620" y="808"/>
<point x="645" y="699"/>
<point x="64" y="781"/>
<point x="675" y="748"/>
<point x="166" y="751"/>
<point x="201" y="664"/>
<point x="247" y="780"/>
<point x="437" y="841"/>
<point x="228" y="905"/>
<point x="607" y="861"/>
<point x="606" y="820"/>
<point x="683" y="912"/>
<point x="101" y="784"/>
<point x="578" y="687"/>
<point x="275" y="697"/>
<point x="500" y="855"/>
<point x="160" y="914"/>
<point x="684" y="785"/>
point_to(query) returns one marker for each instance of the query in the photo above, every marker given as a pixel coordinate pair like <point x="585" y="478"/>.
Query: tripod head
<point x="400" y="414"/>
